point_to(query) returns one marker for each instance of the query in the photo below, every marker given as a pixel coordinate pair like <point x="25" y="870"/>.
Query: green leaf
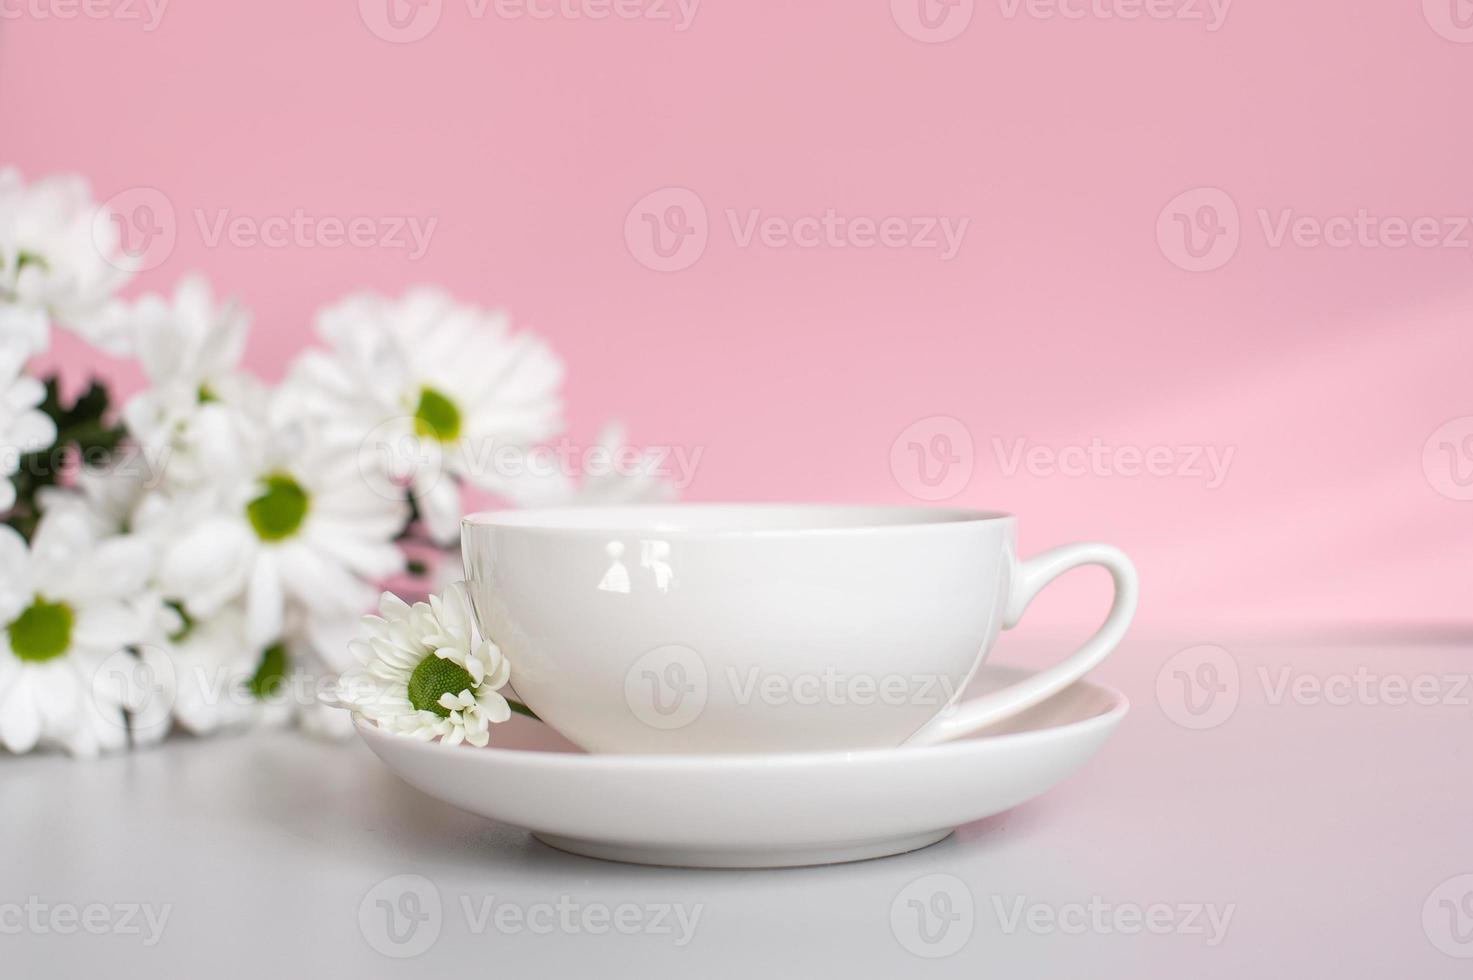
<point x="82" y="431"/>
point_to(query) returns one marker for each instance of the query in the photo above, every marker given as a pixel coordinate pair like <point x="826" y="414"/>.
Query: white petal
<point x="16" y="589"/>
<point x="107" y="626"/>
<point x="264" y="600"/>
<point x="438" y="496"/>
<point x="391" y="606"/>
<point x="208" y="565"/>
<point x="20" y="721"/>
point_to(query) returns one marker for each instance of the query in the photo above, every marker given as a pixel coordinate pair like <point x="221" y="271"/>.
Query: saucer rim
<point x="496" y="755"/>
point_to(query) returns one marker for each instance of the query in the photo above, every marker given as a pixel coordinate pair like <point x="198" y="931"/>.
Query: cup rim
<point x="675" y="520"/>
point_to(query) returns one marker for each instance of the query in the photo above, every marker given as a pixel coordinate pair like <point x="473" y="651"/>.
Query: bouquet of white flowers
<point x="201" y="556"/>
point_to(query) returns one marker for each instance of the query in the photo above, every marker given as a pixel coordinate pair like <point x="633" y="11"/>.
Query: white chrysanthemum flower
<point x="26" y="328"/>
<point x="114" y="498"/>
<point x="62" y="254"/>
<point x="220" y="681"/>
<point x="111" y="502"/>
<point x="67" y="604"/>
<point x="300" y="525"/>
<point x="23" y="427"/>
<point x="424" y="674"/>
<point x="437" y="388"/>
<point x="199" y="409"/>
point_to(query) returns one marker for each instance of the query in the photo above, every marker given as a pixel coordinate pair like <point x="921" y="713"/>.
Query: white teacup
<point x="761" y="628"/>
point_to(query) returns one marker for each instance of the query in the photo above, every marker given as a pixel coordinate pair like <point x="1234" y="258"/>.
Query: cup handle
<point x="1035" y="573"/>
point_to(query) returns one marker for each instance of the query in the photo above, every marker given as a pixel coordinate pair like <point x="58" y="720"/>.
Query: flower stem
<point x="519" y="708"/>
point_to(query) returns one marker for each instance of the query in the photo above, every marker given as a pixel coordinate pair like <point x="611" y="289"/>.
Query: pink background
<point x="1061" y="320"/>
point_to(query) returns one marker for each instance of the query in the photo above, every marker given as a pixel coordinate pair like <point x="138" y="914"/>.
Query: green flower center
<point x="435" y="677"/>
<point x="23" y="259"/>
<point x="42" y="631"/>
<point x="270" y="673"/>
<point x="436" y="417"/>
<point x="207" y="395"/>
<point x="278" y="513"/>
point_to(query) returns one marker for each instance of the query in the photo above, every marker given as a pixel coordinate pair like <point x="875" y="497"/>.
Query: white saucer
<point x="760" y="811"/>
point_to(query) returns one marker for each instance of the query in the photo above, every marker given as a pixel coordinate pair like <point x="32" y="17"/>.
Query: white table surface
<point x="1324" y="829"/>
